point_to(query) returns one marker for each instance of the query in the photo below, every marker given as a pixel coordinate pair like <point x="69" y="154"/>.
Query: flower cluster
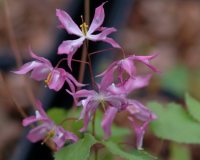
<point x="113" y="97"/>
<point x="110" y="94"/>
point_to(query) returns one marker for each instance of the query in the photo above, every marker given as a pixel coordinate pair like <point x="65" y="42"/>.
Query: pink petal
<point x="102" y="35"/>
<point x="82" y="93"/>
<point x="139" y="131"/>
<point x="71" y="85"/>
<point x="74" y="80"/>
<point x="68" y="23"/>
<point x="146" y="61"/>
<point x="61" y="137"/>
<point x="127" y="65"/>
<point x="69" y="47"/>
<point x="29" y="120"/>
<point x="112" y="42"/>
<point x="98" y="19"/>
<point x="57" y="80"/>
<point x="28" y="67"/>
<point x="41" y="72"/>
<point x="89" y="112"/>
<point x="38" y="133"/>
<point x="136" y="83"/>
<point x="141" y="112"/>
<point x="71" y="136"/>
<point x="42" y="59"/>
<point x="39" y="107"/>
<point x="107" y="121"/>
<point x="107" y="80"/>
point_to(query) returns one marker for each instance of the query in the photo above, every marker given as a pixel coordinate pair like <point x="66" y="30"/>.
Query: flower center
<point x="48" y="79"/>
<point x="49" y="135"/>
<point x="84" y="28"/>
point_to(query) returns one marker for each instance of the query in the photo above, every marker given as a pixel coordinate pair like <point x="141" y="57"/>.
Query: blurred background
<point x="169" y="28"/>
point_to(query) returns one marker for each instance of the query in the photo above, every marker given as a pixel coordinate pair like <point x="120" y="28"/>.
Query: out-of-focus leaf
<point x="174" y="123"/>
<point x="193" y="107"/>
<point x="77" y="151"/>
<point x="136" y="155"/>
<point x="176" y="80"/>
<point x="57" y="114"/>
<point x="179" y="152"/>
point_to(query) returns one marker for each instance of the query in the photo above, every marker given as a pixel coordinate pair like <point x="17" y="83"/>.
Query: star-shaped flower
<point x="47" y="130"/>
<point x="42" y="69"/>
<point x="69" y="47"/>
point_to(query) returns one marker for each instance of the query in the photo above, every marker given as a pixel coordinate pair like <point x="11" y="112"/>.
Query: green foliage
<point x="179" y="152"/>
<point x="193" y="107"/>
<point x="136" y="155"/>
<point x="176" y="80"/>
<point x="81" y="150"/>
<point x="57" y="114"/>
<point x="77" y="151"/>
<point x="175" y="124"/>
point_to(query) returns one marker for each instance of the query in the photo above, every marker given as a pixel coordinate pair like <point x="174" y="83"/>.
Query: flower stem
<point x="85" y="45"/>
<point x="74" y="60"/>
<point x="82" y="65"/>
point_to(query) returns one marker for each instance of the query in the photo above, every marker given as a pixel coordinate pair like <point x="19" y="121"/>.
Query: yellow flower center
<point x="84" y="28"/>
<point x="48" y="79"/>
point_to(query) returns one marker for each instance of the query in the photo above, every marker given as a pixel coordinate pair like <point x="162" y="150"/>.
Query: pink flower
<point x="125" y="65"/>
<point x="47" y="129"/>
<point x="69" y="47"/>
<point x="42" y="69"/>
<point x="111" y="104"/>
<point x="143" y="114"/>
<point x="128" y="85"/>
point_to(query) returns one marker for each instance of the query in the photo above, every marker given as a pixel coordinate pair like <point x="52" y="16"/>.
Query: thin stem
<point x="85" y="47"/>
<point x="68" y="119"/>
<point x="91" y="73"/>
<point x="123" y="53"/>
<point x="103" y="50"/>
<point x="82" y="66"/>
<point x="108" y="49"/>
<point x="74" y="60"/>
<point x="93" y="125"/>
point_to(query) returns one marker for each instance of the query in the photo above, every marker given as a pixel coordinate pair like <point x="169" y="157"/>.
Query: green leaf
<point x="136" y="155"/>
<point x="77" y="151"/>
<point x="175" y="124"/>
<point x="176" y="80"/>
<point x="193" y="107"/>
<point x="57" y="114"/>
<point x="179" y="152"/>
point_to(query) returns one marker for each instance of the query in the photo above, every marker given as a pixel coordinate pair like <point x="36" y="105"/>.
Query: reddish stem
<point x="74" y="60"/>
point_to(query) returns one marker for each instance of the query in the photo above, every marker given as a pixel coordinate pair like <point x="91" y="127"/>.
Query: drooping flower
<point x="47" y="130"/>
<point x="125" y="65"/>
<point x="144" y="115"/>
<point x="69" y="47"/>
<point x="42" y="69"/>
<point x="109" y="102"/>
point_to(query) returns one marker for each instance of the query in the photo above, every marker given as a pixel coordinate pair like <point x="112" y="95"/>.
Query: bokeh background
<point x="169" y="28"/>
